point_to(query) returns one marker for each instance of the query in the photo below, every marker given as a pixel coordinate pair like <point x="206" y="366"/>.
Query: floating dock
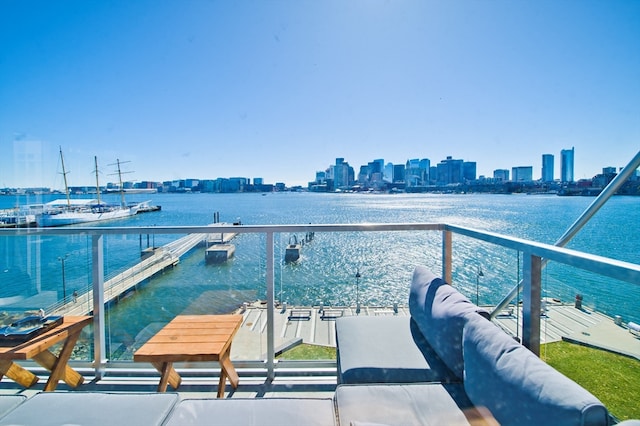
<point x="219" y="253"/>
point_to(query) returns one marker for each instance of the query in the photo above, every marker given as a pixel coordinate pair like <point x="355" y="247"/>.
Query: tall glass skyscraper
<point x="566" y="165"/>
<point x="547" y="167"/>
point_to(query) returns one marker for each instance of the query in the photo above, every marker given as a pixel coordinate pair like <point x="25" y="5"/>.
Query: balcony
<point x="122" y="276"/>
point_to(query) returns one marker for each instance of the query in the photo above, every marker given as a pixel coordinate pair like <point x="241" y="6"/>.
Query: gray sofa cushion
<point x="439" y="310"/>
<point x="404" y="404"/>
<point x="386" y="350"/>
<point x="519" y="388"/>
<point x="9" y="402"/>
<point x="258" y="411"/>
<point x="92" y="408"/>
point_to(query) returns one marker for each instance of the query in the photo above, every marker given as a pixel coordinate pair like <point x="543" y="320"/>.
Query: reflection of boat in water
<point x="69" y="212"/>
<point x="292" y="252"/>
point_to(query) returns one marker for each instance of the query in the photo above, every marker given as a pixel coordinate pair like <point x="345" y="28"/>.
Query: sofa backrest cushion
<point x="517" y="386"/>
<point x="439" y="310"/>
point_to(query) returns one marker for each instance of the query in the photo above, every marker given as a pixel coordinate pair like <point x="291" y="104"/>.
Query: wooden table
<point x="192" y="338"/>
<point x="37" y="349"/>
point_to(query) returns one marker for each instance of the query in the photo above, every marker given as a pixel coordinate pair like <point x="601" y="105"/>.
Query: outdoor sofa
<point x="448" y="364"/>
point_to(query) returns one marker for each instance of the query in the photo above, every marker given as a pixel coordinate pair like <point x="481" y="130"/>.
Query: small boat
<point x="74" y="211"/>
<point x="292" y="252"/>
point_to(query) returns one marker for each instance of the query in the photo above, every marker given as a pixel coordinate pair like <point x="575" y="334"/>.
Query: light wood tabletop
<point x="192" y="338"/>
<point x="37" y="349"/>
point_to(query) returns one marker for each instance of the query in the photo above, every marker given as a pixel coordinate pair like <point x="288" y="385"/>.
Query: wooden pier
<point x="153" y="260"/>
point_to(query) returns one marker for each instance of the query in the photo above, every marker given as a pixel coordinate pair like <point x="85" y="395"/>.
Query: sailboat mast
<point x="64" y="175"/>
<point x="95" y="159"/>
<point x="122" y="202"/>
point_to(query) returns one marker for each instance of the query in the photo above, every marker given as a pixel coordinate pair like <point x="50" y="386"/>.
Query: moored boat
<point x="60" y="213"/>
<point x="74" y="211"/>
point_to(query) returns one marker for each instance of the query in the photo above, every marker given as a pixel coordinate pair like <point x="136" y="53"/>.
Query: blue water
<point x="326" y="272"/>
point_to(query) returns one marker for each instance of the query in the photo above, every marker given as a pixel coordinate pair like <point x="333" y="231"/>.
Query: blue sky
<point x="279" y="89"/>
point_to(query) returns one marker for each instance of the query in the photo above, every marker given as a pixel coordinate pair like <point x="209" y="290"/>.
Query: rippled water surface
<point x="326" y="272"/>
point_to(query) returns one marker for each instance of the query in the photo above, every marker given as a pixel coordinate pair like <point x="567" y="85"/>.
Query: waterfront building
<point x="547" y="167"/>
<point x="363" y="175"/>
<point x="191" y="184"/>
<point x="398" y="173"/>
<point x="342" y="174"/>
<point x="450" y="171"/>
<point x="417" y="172"/>
<point x="433" y="175"/>
<point x="469" y="170"/>
<point x="522" y="173"/>
<point x="388" y="175"/>
<point x="566" y="165"/>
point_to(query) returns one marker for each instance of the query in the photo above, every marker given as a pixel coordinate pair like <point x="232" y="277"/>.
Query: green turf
<point x="613" y="379"/>
<point x="309" y="352"/>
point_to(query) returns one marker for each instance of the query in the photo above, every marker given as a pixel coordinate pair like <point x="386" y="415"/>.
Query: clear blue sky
<point x="279" y="89"/>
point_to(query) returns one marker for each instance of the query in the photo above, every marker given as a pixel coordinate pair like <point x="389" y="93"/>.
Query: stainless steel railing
<point x="533" y="254"/>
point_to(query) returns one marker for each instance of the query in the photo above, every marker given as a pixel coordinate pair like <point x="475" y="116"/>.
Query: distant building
<point x="547" y="167"/>
<point x="469" y="170"/>
<point x="389" y="172"/>
<point x="417" y="172"/>
<point x="450" y="171"/>
<point x="522" y="174"/>
<point x="342" y="174"/>
<point x="566" y="165"/>
<point x="398" y="173"/>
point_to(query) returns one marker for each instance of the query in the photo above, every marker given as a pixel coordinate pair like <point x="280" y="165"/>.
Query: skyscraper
<point x="547" y="167"/>
<point x="566" y="165"/>
<point x="522" y="174"/>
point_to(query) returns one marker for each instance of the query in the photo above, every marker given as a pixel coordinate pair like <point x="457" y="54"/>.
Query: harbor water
<point x="326" y="272"/>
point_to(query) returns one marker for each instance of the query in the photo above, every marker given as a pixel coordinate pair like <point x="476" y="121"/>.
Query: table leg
<point x="168" y="376"/>
<point x="222" y="383"/>
<point x="227" y="370"/>
<point x="18" y="374"/>
<point x="48" y="361"/>
<point x="59" y="369"/>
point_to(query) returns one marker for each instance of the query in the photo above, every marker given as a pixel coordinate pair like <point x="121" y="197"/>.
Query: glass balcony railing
<point x="289" y="281"/>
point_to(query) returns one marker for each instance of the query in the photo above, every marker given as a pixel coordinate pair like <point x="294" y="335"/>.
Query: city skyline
<point x="268" y="89"/>
<point x="557" y="171"/>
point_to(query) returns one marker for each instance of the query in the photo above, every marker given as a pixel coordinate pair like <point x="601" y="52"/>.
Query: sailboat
<point x="74" y="211"/>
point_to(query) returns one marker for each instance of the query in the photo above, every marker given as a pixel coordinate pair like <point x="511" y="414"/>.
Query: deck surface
<point x="316" y="325"/>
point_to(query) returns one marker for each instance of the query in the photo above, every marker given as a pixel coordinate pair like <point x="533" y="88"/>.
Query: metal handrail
<point x="620" y="270"/>
<point x="584" y="218"/>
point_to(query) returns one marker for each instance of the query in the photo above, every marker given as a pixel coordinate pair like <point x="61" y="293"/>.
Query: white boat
<point x="60" y="212"/>
<point x="73" y="211"/>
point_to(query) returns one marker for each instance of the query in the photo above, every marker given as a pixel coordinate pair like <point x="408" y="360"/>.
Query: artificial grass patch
<point x="614" y="379"/>
<point x="309" y="352"/>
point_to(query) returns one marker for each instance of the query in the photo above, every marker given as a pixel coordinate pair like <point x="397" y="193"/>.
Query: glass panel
<point x="46" y="275"/>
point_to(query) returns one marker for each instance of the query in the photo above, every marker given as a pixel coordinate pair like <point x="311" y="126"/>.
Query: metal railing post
<point x="271" y="352"/>
<point x="447" y="244"/>
<point x="99" y="348"/>
<point x="531" y="305"/>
